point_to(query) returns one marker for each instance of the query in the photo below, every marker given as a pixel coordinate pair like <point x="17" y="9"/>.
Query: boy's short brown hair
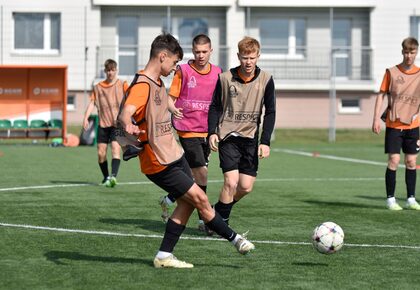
<point x="166" y="42"/>
<point x="201" y="39"/>
<point x="410" y="43"/>
<point x="110" y="64"/>
<point x="248" y="45"/>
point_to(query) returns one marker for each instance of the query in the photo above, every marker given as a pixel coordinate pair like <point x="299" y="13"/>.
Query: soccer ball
<point x="328" y="238"/>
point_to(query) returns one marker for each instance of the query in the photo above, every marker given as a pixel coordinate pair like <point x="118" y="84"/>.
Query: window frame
<point x="415" y="26"/>
<point x="71" y="106"/>
<point x="292" y="50"/>
<point x="349" y="109"/>
<point x="174" y="26"/>
<point x="46" y="50"/>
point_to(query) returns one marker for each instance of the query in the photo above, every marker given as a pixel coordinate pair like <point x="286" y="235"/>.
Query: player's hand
<point x="133" y="129"/>
<point x="86" y="124"/>
<point x="376" y="126"/>
<point x="177" y="113"/>
<point x="213" y="140"/>
<point x="263" y="151"/>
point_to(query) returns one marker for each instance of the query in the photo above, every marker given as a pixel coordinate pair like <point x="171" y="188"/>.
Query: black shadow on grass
<point x="149" y="225"/>
<point x="72" y="182"/>
<point x="57" y="256"/>
<point x="310" y="264"/>
<point x="379" y="197"/>
<point x="342" y="204"/>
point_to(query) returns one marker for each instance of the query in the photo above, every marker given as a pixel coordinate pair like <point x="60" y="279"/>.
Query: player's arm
<point x="269" y="119"/>
<point x="125" y="119"/>
<point x="269" y="114"/>
<point x="174" y="93"/>
<point x="135" y="103"/>
<point x="377" y="113"/>
<point x="125" y="86"/>
<point x="215" y="111"/>
<point x="88" y="111"/>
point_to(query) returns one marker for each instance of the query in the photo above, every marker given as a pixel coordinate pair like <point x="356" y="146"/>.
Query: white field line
<point x="106" y="233"/>
<point x="210" y="181"/>
<point x="331" y="157"/>
<point x="288" y="151"/>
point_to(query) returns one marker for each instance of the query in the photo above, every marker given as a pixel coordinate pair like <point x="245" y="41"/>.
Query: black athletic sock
<point x="221" y="228"/>
<point x="410" y="182"/>
<point x="171" y="197"/>
<point x="390" y="181"/>
<point x="115" y="165"/>
<point x="172" y="233"/>
<point x="204" y="188"/>
<point x="224" y="210"/>
<point x="104" y="169"/>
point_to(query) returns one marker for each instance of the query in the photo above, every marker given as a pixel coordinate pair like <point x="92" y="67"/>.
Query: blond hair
<point x="410" y="43"/>
<point x="248" y="45"/>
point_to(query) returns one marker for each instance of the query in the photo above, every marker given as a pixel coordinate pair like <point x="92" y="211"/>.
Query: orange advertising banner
<point x="33" y="92"/>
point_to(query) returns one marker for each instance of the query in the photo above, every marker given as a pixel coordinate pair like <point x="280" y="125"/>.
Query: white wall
<point x="75" y="24"/>
<point x="390" y="24"/>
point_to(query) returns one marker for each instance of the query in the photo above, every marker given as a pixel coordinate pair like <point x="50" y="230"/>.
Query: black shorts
<point x="106" y="135"/>
<point x="175" y="179"/>
<point x="197" y="151"/>
<point x="408" y="140"/>
<point x="238" y="153"/>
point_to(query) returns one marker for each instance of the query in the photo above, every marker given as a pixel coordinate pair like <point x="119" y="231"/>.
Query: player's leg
<point x="393" y="144"/>
<point x="229" y="157"/>
<point x="411" y="148"/>
<point x="214" y="221"/>
<point x="197" y="152"/>
<point x="102" y="145"/>
<point x="177" y="179"/>
<point x="242" y="179"/>
<point x="116" y="158"/>
<point x="175" y="226"/>
<point x="226" y="198"/>
<point x="245" y="186"/>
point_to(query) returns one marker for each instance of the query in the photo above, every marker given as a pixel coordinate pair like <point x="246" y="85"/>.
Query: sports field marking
<point x="210" y="181"/>
<point x="106" y="233"/>
<point x="331" y="157"/>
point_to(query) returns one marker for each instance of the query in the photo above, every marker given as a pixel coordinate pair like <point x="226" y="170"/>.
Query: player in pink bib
<point x="191" y="94"/>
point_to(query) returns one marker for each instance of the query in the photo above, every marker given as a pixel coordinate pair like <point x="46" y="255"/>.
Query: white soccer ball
<point x="328" y="238"/>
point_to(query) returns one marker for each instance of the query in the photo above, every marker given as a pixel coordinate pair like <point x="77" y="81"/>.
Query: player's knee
<point x="231" y="185"/>
<point x="411" y="164"/>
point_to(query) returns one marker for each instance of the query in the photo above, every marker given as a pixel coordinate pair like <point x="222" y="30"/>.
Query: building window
<point x="37" y="32"/>
<point x="185" y="29"/>
<point x="349" y="106"/>
<point x="71" y="103"/>
<point x="283" y="36"/>
<point x="415" y="26"/>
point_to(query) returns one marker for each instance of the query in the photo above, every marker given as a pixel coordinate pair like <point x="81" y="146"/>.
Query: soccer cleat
<point x="203" y="228"/>
<point x="243" y="245"/>
<point x="413" y="205"/>
<point x="113" y="181"/>
<point x="171" y="262"/>
<point x="394" y="206"/>
<point x="107" y="182"/>
<point x="165" y="209"/>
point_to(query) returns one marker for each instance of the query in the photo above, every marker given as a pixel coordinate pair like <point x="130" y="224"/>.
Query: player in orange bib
<point x="162" y="159"/>
<point x="401" y="85"/>
<point x="106" y="97"/>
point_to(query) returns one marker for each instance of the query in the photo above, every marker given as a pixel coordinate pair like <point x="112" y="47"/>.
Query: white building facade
<point x="327" y="57"/>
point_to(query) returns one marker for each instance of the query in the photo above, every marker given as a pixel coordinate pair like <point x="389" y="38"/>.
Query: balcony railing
<point x="303" y="63"/>
<point x="300" y="63"/>
<point x="132" y="58"/>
